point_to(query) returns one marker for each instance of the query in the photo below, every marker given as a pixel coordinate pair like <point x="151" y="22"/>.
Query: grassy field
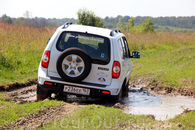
<point x="21" y="48"/>
<point x="166" y="58"/>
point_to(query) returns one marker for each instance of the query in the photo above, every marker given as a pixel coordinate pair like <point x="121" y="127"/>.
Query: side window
<point x="127" y="47"/>
<point x="123" y="48"/>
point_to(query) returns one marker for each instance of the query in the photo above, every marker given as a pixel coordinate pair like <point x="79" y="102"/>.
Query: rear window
<point x="97" y="47"/>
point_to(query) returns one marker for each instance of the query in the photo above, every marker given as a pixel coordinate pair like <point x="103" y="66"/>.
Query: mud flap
<point x="40" y="92"/>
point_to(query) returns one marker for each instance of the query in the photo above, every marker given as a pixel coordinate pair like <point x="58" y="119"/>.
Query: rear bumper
<point x="114" y="87"/>
<point x="58" y="88"/>
<point x="58" y="85"/>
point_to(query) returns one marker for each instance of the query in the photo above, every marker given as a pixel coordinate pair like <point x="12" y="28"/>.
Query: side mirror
<point x="48" y="40"/>
<point x="135" y="54"/>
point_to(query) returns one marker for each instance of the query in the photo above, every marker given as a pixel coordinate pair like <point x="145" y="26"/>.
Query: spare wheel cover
<point x="73" y="65"/>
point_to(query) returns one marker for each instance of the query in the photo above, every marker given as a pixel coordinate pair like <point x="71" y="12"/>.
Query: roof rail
<point x="66" y="24"/>
<point x="116" y="30"/>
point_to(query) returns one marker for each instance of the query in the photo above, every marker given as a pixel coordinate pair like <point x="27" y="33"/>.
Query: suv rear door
<point x="97" y="47"/>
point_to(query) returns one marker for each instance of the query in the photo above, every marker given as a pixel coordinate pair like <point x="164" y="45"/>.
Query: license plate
<point x="76" y="90"/>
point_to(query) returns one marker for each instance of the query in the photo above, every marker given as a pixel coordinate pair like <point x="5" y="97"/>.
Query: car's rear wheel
<point x="125" y="90"/>
<point x="74" y="65"/>
<point x="40" y="97"/>
<point x="118" y="98"/>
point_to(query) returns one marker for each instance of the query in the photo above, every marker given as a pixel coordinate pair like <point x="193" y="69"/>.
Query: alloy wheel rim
<point x="73" y="65"/>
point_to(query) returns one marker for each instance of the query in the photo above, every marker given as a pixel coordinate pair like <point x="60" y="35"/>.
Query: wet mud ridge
<point x="23" y="95"/>
<point x="36" y="120"/>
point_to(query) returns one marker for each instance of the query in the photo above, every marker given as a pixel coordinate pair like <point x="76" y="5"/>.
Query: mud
<point x="8" y="87"/>
<point x="22" y="95"/>
<point x="43" y="117"/>
<point x="156" y="88"/>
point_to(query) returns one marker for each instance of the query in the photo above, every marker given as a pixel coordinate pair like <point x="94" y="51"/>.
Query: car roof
<point x="89" y="29"/>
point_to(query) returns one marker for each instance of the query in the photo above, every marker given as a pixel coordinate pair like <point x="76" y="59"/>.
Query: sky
<point x="102" y="8"/>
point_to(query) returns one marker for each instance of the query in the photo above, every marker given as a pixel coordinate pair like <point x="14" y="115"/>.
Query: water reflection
<point x="141" y="98"/>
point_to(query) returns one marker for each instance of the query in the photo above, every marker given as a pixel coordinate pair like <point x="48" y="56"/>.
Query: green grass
<point x="171" y="65"/>
<point x="186" y="120"/>
<point x="166" y="58"/>
<point x="11" y="111"/>
<point x="21" y="48"/>
<point x="100" y="117"/>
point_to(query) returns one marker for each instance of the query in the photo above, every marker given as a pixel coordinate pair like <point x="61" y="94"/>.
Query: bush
<point x="86" y="17"/>
<point x="146" y="26"/>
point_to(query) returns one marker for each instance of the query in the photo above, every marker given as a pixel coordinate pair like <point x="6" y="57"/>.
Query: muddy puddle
<point x="142" y="102"/>
<point x="162" y="107"/>
<point x="137" y="102"/>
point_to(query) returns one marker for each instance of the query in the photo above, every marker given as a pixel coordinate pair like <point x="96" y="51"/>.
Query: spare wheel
<point x="73" y="65"/>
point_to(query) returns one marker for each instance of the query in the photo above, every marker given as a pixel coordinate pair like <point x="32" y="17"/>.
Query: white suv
<point x="85" y="61"/>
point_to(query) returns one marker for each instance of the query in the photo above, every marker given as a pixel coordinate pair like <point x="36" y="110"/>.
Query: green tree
<point x="130" y="25"/>
<point x="86" y="17"/>
<point x="121" y="24"/>
<point x="6" y="19"/>
<point x="20" y="21"/>
<point x="147" y="25"/>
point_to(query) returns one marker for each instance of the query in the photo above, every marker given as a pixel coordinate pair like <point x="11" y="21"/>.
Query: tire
<point x="117" y="99"/>
<point x="119" y="96"/>
<point x="41" y="97"/>
<point x="59" y="95"/>
<point x="73" y="65"/>
<point x="125" y="90"/>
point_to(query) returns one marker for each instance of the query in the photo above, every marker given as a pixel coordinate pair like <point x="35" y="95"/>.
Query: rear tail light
<point x="48" y="83"/>
<point x="116" y="69"/>
<point x="45" y="59"/>
<point x="106" y="92"/>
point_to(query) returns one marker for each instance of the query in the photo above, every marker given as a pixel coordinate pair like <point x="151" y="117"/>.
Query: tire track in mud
<point x="43" y="117"/>
<point x="21" y="95"/>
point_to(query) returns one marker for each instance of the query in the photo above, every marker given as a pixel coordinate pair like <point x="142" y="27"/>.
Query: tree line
<point x="35" y="22"/>
<point x="159" y="23"/>
<point x="179" y="22"/>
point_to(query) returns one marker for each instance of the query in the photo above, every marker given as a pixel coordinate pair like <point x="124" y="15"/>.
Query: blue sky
<point x="102" y="8"/>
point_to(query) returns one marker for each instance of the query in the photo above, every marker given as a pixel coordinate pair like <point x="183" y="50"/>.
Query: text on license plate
<point x="76" y="90"/>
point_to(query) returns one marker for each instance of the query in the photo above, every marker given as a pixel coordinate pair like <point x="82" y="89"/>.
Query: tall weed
<point x="160" y="40"/>
<point x="21" y="48"/>
<point x="165" y="57"/>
